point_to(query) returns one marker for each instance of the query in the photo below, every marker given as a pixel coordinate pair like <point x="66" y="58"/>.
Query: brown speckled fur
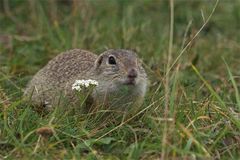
<point x="56" y="78"/>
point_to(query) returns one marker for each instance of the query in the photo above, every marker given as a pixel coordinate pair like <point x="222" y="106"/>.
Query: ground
<point x="192" y="108"/>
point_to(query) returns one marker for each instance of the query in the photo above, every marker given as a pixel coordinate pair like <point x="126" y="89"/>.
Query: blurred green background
<point x="35" y="31"/>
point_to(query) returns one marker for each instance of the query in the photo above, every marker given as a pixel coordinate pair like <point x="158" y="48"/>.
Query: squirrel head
<point x="120" y="66"/>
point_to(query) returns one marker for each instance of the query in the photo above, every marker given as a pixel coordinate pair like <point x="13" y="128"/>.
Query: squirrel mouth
<point x="130" y="82"/>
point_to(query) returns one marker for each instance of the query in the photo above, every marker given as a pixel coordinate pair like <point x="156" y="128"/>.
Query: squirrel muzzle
<point x="132" y="75"/>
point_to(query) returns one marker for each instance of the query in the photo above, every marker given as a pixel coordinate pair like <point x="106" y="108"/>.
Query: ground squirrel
<point x="121" y="77"/>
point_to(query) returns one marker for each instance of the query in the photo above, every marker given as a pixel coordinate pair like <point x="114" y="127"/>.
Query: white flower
<point x="79" y="84"/>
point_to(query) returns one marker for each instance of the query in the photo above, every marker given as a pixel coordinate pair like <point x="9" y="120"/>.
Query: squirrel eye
<point x="111" y="60"/>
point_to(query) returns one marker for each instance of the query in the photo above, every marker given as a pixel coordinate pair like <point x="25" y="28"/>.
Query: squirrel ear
<point x="98" y="62"/>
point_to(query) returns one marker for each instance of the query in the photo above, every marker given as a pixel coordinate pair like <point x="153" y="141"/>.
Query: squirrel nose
<point x="132" y="73"/>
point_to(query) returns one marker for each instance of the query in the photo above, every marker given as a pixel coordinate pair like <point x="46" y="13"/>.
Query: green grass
<point x="191" y="111"/>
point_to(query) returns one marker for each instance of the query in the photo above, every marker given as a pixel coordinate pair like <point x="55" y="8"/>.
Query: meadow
<point x="190" y="50"/>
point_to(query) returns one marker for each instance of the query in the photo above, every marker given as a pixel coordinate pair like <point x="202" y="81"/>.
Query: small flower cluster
<point x="79" y="84"/>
